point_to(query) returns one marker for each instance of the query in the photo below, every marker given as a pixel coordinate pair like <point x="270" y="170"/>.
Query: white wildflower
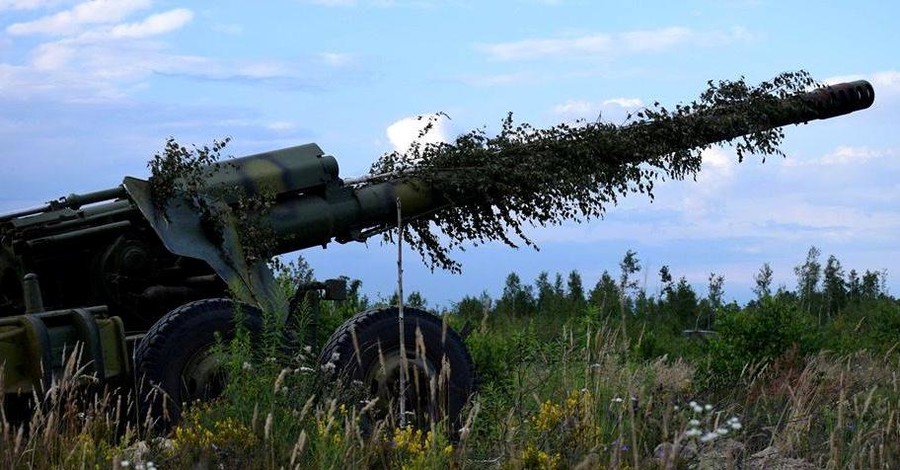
<point x="693" y="432"/>
<point x="710" y="436"/>
<point x="707" y="407"/>
<point x="694" y="423"/>
<point x="722" y="431"/>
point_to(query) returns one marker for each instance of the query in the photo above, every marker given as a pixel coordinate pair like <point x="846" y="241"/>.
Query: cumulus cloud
<point x="615" y="109"/>
<point x="885" y="82"/>
<point x="609" y="44"/>
<point x="74" y="20"/>
<point x="846" y="155"/>
<point x="790" y="204"/>
<point x="282" y="126"/>
<point x="154" y="25"/>
<point x="625" y="102"/>
<point x="404" y="132"/>
<point x="713" y="182"/>
<point x="102" y="48"/>
<point x="576" y="108"/>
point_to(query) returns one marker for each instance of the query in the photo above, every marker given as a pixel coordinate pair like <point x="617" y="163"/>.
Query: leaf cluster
<point x="497" y="185"/>
<point x="185" y="172"/>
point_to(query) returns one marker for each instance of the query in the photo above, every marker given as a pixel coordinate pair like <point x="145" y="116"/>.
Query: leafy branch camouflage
<point x="528" y="176"/>
<point x="179" y="170"/>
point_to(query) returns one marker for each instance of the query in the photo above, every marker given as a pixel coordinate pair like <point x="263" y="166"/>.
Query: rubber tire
<point x="380" y="327"/>
<point x="163" y="353"/>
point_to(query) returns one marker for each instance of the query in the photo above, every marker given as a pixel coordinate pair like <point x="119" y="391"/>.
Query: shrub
<point x="758" y="334"/>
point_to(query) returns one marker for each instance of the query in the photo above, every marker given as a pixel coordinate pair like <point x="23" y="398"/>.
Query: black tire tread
<point x="190" y="322"/>
<point x="342" y="338"/>
<point x="341" y="342"/>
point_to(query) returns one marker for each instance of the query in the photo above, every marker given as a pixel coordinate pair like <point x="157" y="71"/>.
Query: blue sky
<point x="89" y="90"/>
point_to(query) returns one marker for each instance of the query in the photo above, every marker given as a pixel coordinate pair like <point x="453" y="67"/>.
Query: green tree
<point x="628" y="268"/>
<point x="854" y="286"/>
<point x="682" y="304"/>
<point x="517" y="299"/>
<point x="665" y="277"/>
<point x="605" y="295"/>
<point x="575" y="292"/>
<point x="834" y="288"/>
<point x="808" y="275"/>
<point x="715" y="293"/>
<point x="763" y="281"/>
<point x="873" y="284"/>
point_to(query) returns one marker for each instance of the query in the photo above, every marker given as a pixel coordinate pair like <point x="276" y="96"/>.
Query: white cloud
<point x="713" y="182"/>
<point x="103" y="54"/>
<point x="846" y="155"/>
<point x="26" y="4"/>
<point x="576" y="108"/>
<point x="408" y="130"/>
<point x="154" y="25"/>
<point x="614" y="109"/>
<point x="281" y="126"/>
<point x="336" y="59"/>
<point x="884" y="82"/>
<point x="624" y="102"/>
<point x="854" y="204"/>
<point x="608" y="45"/>
<point x="72" y="21"/>
<point x="889" y="80"/>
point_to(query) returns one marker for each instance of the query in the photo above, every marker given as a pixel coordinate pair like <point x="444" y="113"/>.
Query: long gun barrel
<point x="374" y="203"/>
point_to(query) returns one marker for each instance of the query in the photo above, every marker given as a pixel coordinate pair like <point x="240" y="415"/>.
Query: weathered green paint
<point x="35" y="347"/>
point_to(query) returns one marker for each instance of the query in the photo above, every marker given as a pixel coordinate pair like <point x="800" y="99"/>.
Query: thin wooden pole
<point x="403" y="367"/>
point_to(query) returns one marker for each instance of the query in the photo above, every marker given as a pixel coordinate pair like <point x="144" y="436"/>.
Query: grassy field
<point x="567" y="379"/>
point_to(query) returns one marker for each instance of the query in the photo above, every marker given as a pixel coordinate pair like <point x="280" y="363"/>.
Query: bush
<point x="758" y="334"/>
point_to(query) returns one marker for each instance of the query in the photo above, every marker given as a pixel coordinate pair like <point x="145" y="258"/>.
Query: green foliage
<point x="808" y="276"/>
<point x="529" y="176"/>
<point x="753" y="335"/>
<point x="517" y="299"/>
<point x="872" y="325"/>
<point x="181" y="169"/>
<point x="763" y="281"/>
<point x="566" y="389"/>
<point x="183" y="173"/>
<point x="605" y="296"/>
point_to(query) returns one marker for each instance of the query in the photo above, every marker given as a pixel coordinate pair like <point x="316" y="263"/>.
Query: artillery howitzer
<point x="120" y="271"/>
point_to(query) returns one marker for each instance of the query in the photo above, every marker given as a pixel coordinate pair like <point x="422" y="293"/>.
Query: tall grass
<point x="569" y="391"/>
